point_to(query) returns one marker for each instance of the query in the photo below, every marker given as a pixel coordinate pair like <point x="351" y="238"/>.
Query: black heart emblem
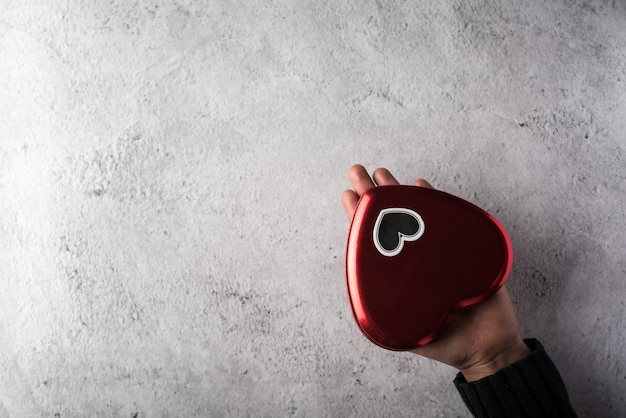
<point x="393" y="227"/>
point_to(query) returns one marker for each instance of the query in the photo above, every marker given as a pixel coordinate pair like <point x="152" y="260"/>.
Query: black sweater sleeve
<point x="530" y="387"/>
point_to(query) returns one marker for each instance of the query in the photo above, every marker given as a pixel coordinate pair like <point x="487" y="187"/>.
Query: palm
<point x="476" y="334"/>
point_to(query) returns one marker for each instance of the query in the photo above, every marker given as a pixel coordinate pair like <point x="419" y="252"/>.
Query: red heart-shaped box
<point x="414" y="257"/>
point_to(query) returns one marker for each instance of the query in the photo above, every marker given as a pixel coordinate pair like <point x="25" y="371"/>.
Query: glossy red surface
<point x="402" y="297"/>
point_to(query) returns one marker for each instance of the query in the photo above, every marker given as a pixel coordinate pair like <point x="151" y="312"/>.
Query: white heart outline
<point x="402" y="237"/>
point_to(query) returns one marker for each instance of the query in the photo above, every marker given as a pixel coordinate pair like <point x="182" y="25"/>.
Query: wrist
<point x="494" y="363"/>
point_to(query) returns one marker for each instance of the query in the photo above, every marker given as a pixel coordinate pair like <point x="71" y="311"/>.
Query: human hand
<point x="480" y="339"/>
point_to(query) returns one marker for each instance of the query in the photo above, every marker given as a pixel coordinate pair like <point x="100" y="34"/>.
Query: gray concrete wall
<point x="171" y="234"/>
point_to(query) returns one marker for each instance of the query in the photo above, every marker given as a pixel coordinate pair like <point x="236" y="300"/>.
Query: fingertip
<point x="383" y="177"/>
<point x="360" y="180"/>
<point x="346" y="194"/>
<point x="356" y="171"/>
<point x="380" y="171"/>
<point x="423" y="183"/>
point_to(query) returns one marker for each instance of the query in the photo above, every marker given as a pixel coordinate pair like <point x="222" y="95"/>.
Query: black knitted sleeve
<point x="530" y="387"/>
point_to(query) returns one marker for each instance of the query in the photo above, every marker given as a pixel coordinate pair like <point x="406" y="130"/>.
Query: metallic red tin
<point x="414" y="257"/>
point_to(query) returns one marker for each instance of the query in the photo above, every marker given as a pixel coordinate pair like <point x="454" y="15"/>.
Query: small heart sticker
<point x="393" y="227"/>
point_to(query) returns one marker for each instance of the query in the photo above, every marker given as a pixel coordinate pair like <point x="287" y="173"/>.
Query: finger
<point x="383" y="177"/>
<point x="422" y="183"/>
<point x="361" y="181"/>
<point x="349" y="200"/>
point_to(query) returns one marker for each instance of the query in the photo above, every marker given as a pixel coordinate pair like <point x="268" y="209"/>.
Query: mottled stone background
<point x="171" y="234"/>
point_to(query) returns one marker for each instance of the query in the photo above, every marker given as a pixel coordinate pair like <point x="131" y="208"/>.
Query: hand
<point x="480" y="339"/>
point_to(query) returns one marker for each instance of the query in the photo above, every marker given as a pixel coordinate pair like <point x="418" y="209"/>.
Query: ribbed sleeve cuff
<point x="530" y="387"/>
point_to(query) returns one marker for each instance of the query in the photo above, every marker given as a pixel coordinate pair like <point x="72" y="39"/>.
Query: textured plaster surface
<point x="171" y="235"/>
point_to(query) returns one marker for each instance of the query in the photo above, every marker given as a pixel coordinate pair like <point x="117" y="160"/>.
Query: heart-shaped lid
<point x="414" y="257"/>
